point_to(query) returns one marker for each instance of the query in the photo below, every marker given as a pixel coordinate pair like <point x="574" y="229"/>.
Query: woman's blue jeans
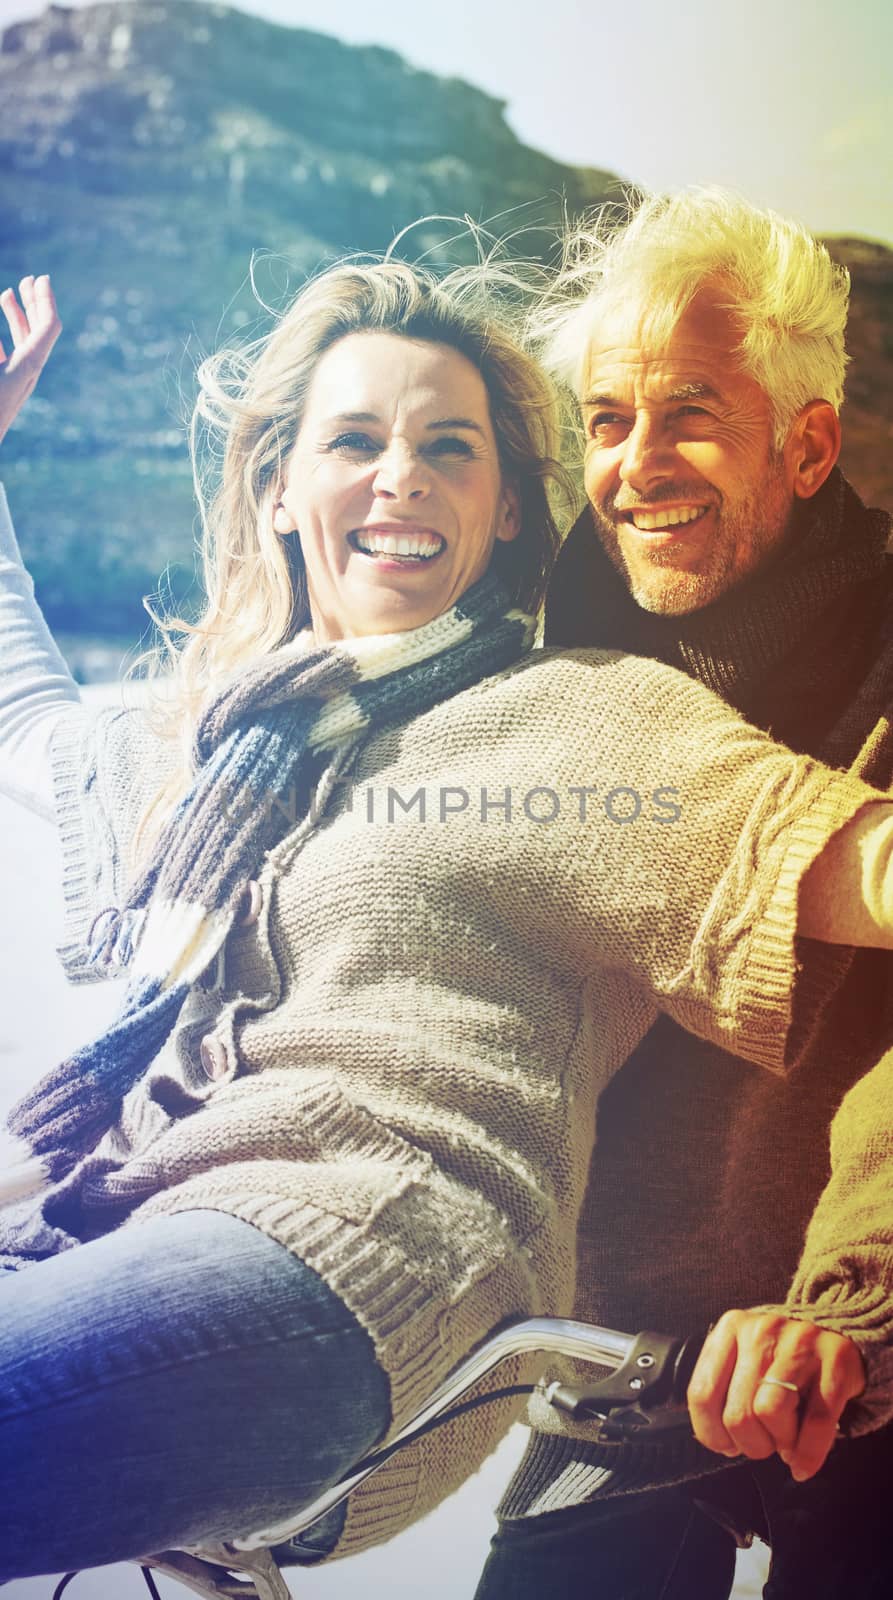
<point x="180" y="1380"/>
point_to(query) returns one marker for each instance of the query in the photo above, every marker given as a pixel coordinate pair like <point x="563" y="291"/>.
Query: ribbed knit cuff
<point x="773" y="1031"/>
<point x="557" y="1472"/>
<point x="860" y="1309"/>
<point x="78" y="891"/>
<point x="865" y="1315"/>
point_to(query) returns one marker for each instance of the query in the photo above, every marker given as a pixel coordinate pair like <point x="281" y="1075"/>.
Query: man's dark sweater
<point x="707" y="1170"/>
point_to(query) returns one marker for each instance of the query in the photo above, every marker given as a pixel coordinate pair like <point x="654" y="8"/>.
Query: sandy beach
<point x="440" y="1558"/>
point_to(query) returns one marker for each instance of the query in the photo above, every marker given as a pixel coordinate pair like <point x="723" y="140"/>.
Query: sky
<point x="790" y="101"/>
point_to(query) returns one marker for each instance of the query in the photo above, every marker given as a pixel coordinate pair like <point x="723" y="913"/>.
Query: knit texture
<point x="446" y="969"/>
<point x="719" y="1168"/>
<point x="36" y="687"/>
<point x="254" y="741"/>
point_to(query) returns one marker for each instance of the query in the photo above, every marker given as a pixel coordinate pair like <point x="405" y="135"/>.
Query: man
<point x="704" y="340"/>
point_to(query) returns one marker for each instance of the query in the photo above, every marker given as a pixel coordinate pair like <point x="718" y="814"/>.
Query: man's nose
<point x="648" y="456"/>
<point x="401" y="474"/>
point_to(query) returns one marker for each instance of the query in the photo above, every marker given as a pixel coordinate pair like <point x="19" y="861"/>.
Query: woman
<point x="411" y="883"/>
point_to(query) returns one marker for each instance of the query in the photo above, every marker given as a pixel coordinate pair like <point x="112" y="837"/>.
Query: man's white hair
<point x="789" y="297"/>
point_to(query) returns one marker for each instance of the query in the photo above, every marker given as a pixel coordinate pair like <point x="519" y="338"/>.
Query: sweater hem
<point x="416" y="1346"/>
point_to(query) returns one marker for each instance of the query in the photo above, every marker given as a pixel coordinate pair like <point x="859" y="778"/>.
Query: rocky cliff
<point x="147" y="151"/>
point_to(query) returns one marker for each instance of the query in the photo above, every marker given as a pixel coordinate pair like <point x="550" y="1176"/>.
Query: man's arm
<point x="833" y="1338"/>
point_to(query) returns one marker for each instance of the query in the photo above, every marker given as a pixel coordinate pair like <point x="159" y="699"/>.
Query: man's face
<point x="688" y="491"/>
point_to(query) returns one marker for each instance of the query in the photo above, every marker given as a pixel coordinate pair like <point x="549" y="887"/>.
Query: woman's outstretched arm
<point x="34" y="327"/>
<point x="846" y="896"/>
<point x="37" y="690"/>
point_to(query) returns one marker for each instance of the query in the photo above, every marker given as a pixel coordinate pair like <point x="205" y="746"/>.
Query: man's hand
<point x="813" y="1373"/>
<point x="34" y="327"/>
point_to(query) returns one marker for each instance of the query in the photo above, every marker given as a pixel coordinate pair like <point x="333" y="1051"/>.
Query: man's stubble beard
<point x="747" y="535"/>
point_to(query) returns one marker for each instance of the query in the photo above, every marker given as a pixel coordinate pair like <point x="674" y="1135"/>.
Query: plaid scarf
<point x="260" y="736"/>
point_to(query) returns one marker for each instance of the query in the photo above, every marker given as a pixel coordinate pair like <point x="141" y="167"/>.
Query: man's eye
<point x="691" y="411"/>
<point x="354" y="443"/>
<point x="601" y="421"/>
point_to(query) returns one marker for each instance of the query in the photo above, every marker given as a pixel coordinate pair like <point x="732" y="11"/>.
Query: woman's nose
<point x="401" y="474"/>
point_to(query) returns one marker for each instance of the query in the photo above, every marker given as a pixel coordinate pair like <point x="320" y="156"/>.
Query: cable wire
<point x="63" y="1585"/>
<point x="379" y="1457"/>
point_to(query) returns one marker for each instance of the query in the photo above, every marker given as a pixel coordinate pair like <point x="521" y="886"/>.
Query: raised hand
<point x="34" y="327"/>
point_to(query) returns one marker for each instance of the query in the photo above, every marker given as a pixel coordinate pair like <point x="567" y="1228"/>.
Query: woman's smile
<point x="398" y="544"/>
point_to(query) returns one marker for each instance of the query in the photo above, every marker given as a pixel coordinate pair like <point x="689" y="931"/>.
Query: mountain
<point x="147" y="150"/>
<point x="867" y="416"/>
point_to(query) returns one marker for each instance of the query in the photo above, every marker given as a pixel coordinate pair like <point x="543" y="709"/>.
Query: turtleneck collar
<point x="736" y="644"/>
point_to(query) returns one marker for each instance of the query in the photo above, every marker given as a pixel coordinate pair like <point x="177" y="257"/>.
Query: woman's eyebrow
<point x="350" y="416"/>
<point x="342" y="417"/>
<point x="458" y="422"/>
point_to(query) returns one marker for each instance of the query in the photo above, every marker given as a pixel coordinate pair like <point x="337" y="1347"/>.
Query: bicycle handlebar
<point x="645" y="1392"/>
<point x="648" y="1370"/>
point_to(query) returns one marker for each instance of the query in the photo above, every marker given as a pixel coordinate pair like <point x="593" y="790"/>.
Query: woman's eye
<point x="354" y="443"/>
<point x="448" y="445"/>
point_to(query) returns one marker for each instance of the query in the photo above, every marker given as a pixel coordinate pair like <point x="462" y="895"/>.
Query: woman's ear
<point x="283" y="521"/>
<point x="508" y="525"/>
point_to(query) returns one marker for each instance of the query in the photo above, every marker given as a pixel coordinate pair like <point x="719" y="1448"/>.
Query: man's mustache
<point x="693" y="493"/>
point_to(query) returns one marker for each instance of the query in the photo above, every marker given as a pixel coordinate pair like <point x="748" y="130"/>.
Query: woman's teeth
<point x="674" y="517"/>
<point x="421" y="546"/>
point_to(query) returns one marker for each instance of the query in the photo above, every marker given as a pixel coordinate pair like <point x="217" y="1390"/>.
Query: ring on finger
<point x="781" y="1383"/>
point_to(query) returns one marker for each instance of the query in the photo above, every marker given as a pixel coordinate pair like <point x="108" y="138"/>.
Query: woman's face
<point x="394" y="485"/>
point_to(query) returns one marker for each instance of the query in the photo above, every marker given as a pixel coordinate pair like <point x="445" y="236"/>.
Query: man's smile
<point x="661" y="527"/>
<point x="645" y="520"/>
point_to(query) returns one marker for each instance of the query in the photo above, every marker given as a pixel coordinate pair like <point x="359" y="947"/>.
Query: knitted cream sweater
<point x="447" y="967"/>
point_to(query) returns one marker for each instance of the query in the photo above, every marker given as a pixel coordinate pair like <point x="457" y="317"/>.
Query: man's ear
<point x="283" y="521"/>
<point x="812" y="447"/>
<point x="509" y="525"/>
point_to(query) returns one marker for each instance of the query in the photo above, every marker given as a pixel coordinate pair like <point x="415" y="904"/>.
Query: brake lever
<point x="646" y="1393"/>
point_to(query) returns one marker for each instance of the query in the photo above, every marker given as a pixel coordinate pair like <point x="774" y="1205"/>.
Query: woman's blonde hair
<point x="788" y="296"/>
<point x="244" y="427"/>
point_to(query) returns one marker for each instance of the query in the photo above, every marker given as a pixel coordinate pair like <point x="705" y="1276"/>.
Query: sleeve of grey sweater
<point x="105" y="771"/>
<point x="91" y="774"/>
<point x="37" y="692"/>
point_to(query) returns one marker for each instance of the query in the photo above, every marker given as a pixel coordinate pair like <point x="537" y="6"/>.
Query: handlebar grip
<point x="684" y="1364"/>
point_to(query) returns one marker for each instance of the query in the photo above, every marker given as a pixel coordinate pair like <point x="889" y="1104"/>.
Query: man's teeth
<point x="648" y="521"/>
<point x="398" y="544"/>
